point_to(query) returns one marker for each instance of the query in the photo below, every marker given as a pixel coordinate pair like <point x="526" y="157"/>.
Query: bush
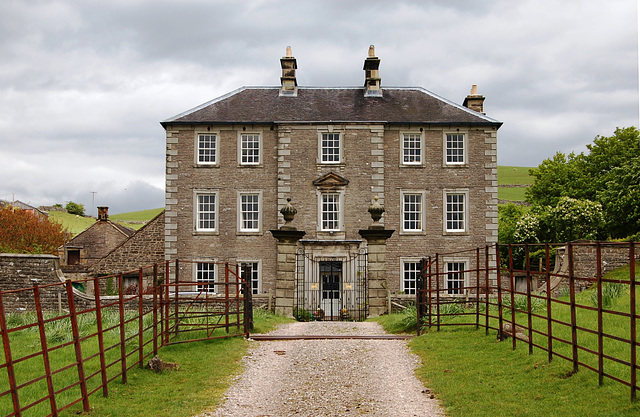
<point x="610" y="291"/>
<point x="23" y="232"/>
<point x="75" y="208"/>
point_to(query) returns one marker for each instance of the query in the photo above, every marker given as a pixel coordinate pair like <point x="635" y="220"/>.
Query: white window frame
<point x="340" y="213"/>
<point x="422" y="212"/>
<point x="403" y="272"/>
<point x="420" y="148"/>
<point x="215" y="149"/>
<point x="321" y="148"/>
<point x="241" y="224"/>
<point x="465" y="211"/>
<point x="201" y="284"/>
<point x="445" y="147"/>
<point x="257" y="279"/>
<point x="455" y="291"/>
<point x="197" y="212"/>
<point x="241" y="149"/>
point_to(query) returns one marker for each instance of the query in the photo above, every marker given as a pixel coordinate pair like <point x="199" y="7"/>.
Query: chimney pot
<point x="474" y="101"/>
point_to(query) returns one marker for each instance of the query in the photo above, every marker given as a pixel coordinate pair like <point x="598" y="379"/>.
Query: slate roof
<point x="261" y="105"/>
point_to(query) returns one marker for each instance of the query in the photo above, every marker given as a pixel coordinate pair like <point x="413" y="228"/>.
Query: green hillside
<point x="76" y="224"/>
<point x="511" y="182"/>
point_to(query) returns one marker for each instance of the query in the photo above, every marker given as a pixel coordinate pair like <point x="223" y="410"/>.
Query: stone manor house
<point x="233" y="163"/>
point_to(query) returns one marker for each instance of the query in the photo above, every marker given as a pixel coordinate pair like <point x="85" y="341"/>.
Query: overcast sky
<point x="84" y="84"/>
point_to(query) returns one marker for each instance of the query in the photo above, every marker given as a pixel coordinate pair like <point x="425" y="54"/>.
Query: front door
<point x="331" y="280"/>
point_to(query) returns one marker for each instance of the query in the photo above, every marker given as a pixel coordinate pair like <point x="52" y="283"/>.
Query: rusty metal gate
<point x="331" y="287"/>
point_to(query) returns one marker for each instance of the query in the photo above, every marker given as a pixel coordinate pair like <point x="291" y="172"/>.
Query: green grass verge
<point x="206" y="369"/>
<point x="510" y="175"/>
<point x="475" y="375"/>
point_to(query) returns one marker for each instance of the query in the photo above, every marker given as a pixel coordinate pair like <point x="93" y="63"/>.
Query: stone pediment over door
<point x="330" y="181"/>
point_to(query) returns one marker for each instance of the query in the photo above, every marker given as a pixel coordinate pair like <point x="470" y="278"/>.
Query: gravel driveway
<point x="328" y="377"/>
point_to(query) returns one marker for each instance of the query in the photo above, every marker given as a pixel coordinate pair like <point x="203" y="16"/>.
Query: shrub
<point x="610" y="291"/>
<point x="75" y="208"/>
<point x="23" y="232"/>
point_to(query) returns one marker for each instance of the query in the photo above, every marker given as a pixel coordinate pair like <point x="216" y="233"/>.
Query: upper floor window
<point x="411" y="148"/>
<point x="249" y="211"/>
<point x="207" y="149"/>
<point x="250" y="149"/>
<point x="455" y="149"/>
<point x="330" y="211"/>
<point x="330" y="148"/>
<point x="206" y="212"/>
<point x="412" y="212"/>
<point x="455" y="209"/>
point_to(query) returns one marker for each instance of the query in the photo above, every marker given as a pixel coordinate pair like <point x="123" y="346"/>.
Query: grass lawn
<point x="473" y="374"/>
<point x="206" y="370"/>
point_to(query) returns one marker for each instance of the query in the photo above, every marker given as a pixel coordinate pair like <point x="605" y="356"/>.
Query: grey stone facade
<point x="375" y="127"/>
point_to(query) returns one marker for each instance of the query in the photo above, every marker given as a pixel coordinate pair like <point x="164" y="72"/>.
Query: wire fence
<point x="64" y="342"/>
<point x="576" y="301"/>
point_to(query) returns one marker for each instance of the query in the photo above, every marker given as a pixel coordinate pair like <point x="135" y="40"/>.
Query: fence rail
<point x="534" y="295"/>
<point x="53" y="359"/>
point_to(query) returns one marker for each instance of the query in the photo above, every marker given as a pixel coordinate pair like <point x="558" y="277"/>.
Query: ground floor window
<point x="250" y="272"/>
<point x="455" y="277"/>
<point x="206" y="276"/>
<point x="410" y="274"/>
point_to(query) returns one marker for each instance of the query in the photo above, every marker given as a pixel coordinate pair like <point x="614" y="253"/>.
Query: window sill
<point x="256" y="233"/>
<point x="206" y="165"/>
<point x="205" y="233"/>
<point x="453" y="233"/>
<point x="412" y="233"/>
<point x="455" y="166"/>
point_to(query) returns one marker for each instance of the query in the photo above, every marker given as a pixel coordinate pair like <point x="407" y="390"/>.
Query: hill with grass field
<point x="76" y="224"/>
<point x="512" y="183"/>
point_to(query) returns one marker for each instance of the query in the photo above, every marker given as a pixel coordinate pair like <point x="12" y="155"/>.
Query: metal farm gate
<point x="331" y="287"/>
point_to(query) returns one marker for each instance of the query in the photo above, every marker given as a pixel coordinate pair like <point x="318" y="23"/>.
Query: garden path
<point x="328" y="377"/>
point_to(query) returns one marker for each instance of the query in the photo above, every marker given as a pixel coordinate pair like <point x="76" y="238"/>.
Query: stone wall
<point x="23" y="271"/>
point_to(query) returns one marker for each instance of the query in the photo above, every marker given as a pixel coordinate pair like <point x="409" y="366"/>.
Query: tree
<point x="508" y="217"/>
<point x="75" y="208"/>
<point x="607" y="174"/>
<point x="22" y="232"/>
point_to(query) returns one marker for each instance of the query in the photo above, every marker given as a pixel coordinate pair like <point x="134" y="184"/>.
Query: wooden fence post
<point x="437" y="293"/>
<point x="599" y="306"/>
<point x="572" y="302"/>
<point x="155" y="309"/>
<point x="549" y="323"/>
<point x="634" y="320"/>
<point x="477" y="287"/>
<point x="103" y="361"/>
<point x="9" y="360"/>
<point x="45" y="351"/>
<point x="140" y="320"/>
<point x="487" y="290"/>
<point x="512" y="290"/>
<point x="123" y="350"/>
<point x="77" y="346"/>
<point x="499" y="280"/>
<point x="529" y="318"/>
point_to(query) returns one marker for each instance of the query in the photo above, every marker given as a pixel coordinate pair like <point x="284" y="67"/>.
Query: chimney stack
<point x="372" y="75"/>
<point x="474" y="101"/>
<point x="288" y="79"/>
<point x="103" y="214"/>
